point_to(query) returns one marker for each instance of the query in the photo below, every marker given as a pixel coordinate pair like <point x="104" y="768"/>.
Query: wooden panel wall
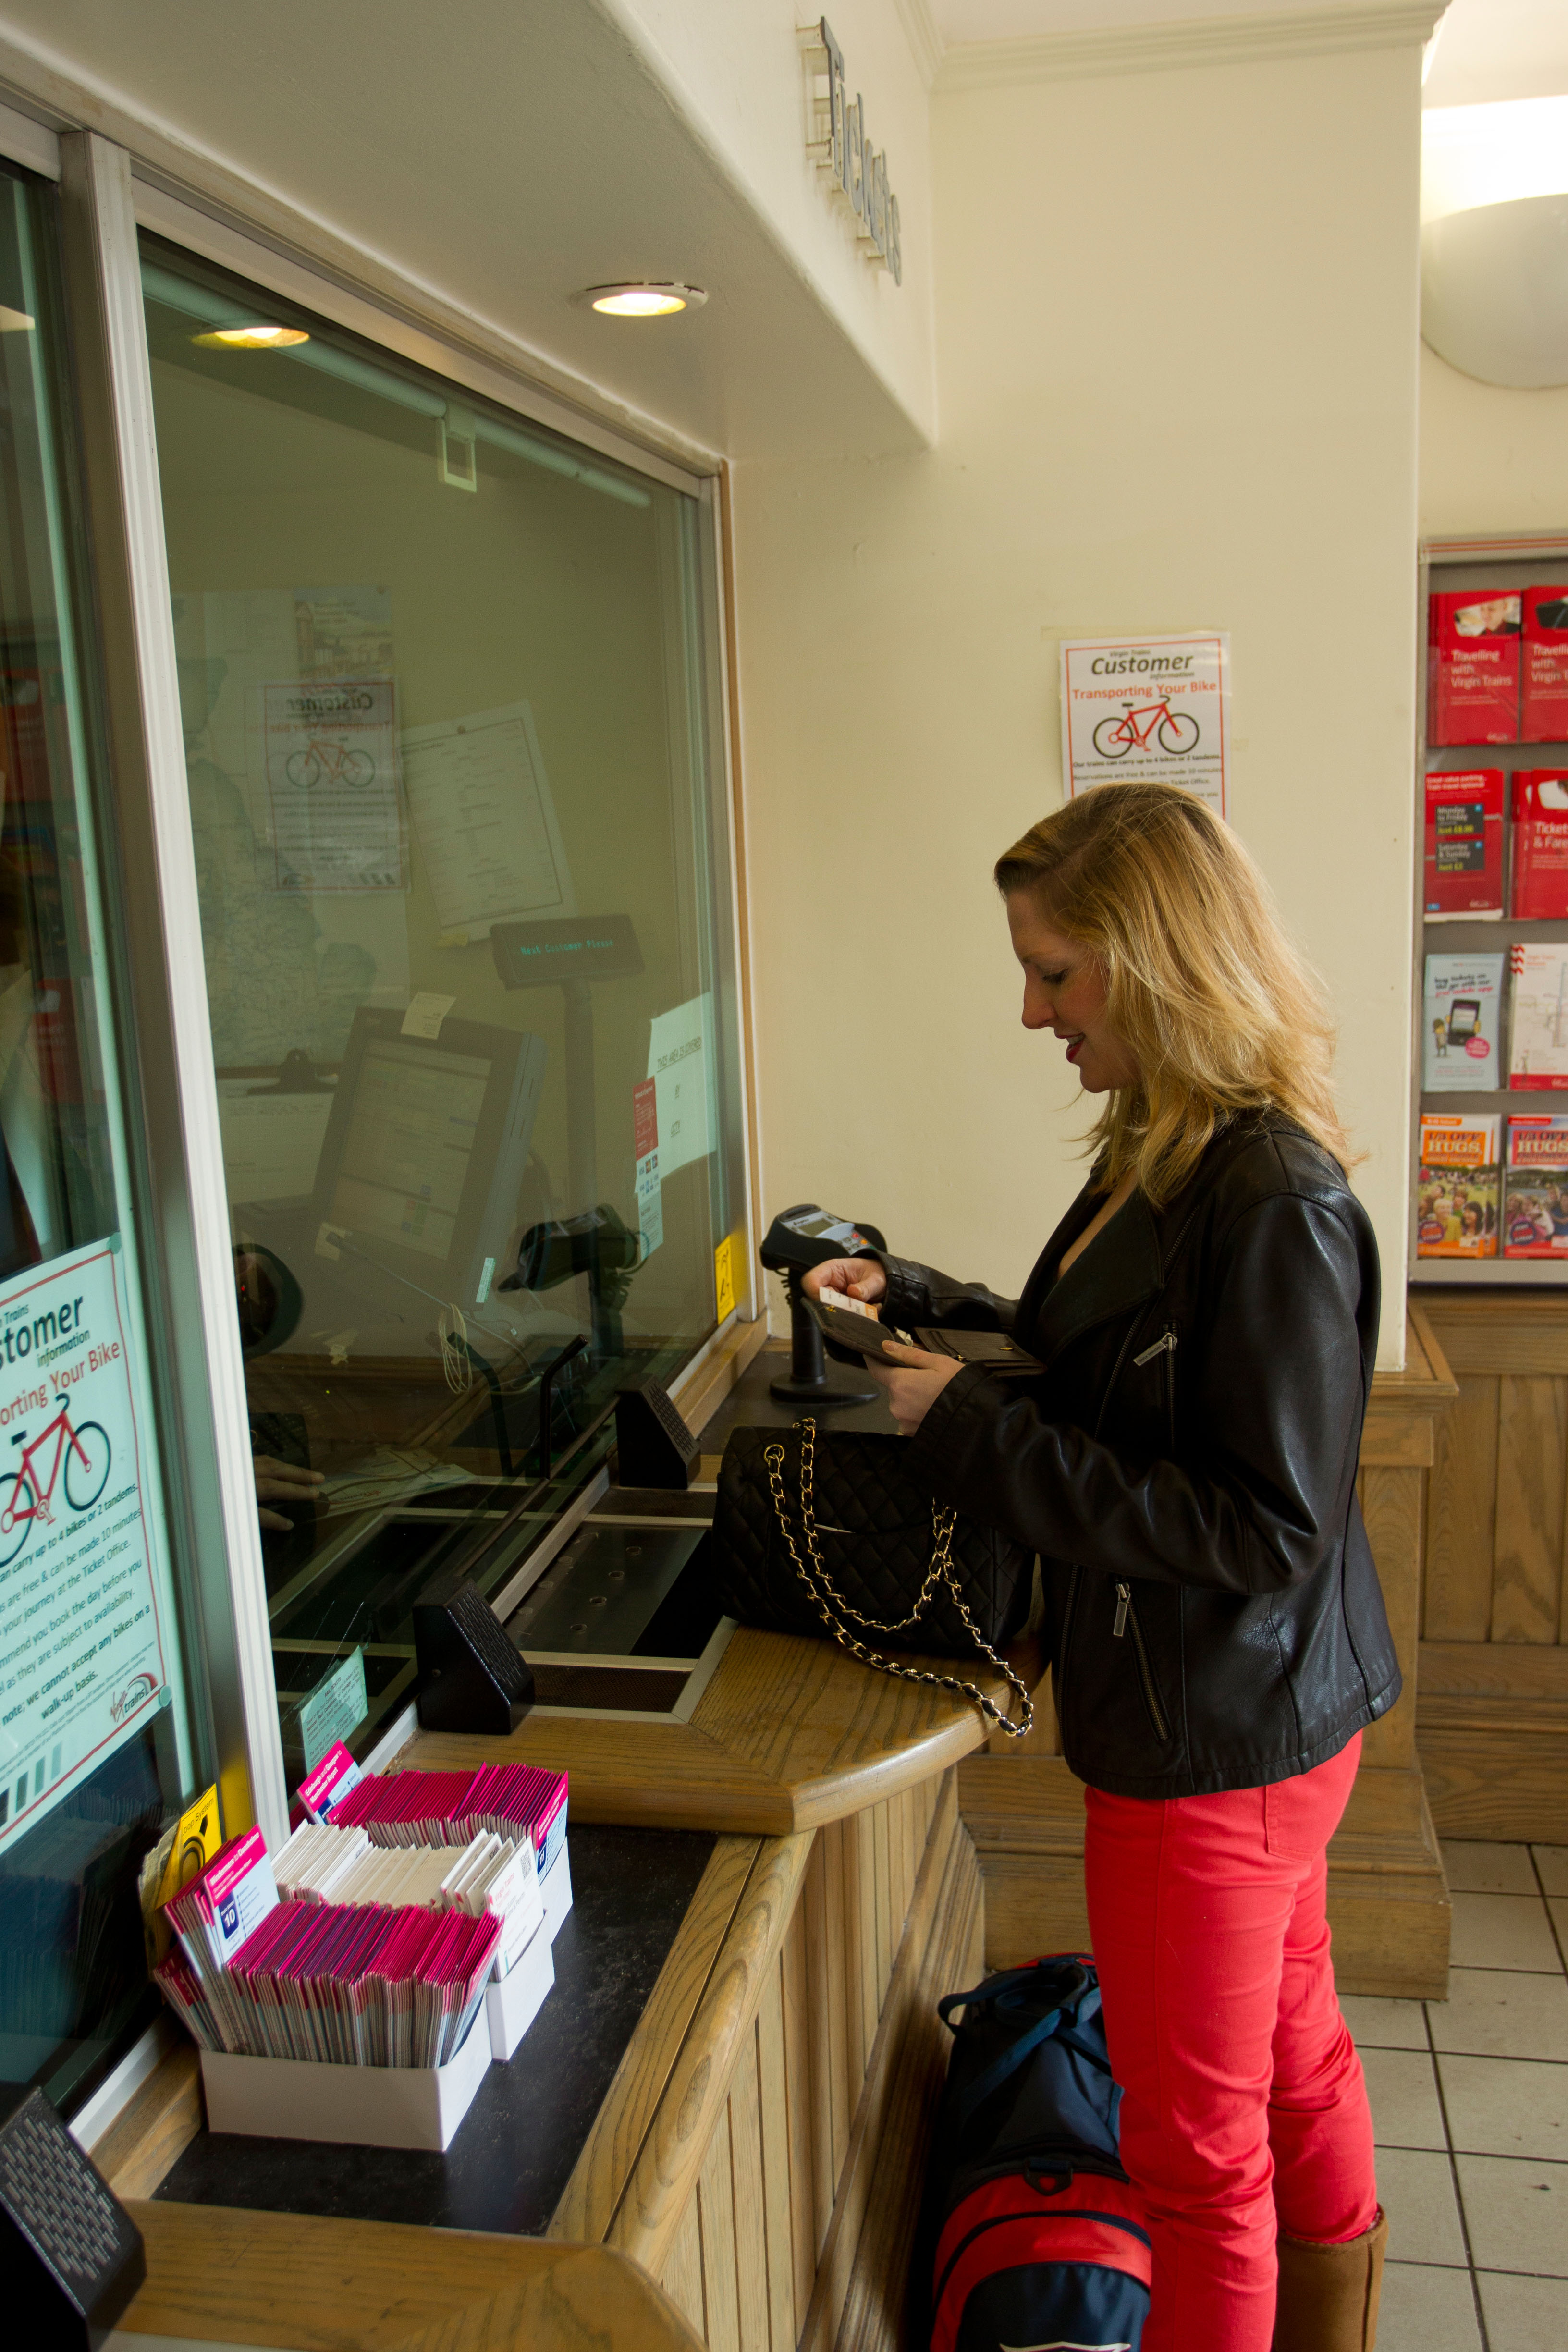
<point x="763" y="2253"/>
<point x="1493" y="1717"/>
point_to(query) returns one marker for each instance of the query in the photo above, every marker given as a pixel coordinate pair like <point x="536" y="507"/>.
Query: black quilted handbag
<point x="832" y="1535"/>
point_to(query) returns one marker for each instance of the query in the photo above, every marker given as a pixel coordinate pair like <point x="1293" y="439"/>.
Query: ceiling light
<point x="260" y="335"/>
<point x="643" y="298"/>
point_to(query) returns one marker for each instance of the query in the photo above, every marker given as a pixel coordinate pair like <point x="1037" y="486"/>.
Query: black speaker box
<point x="654" y="1445"/>
<point x="70" y="2256"/>
<point x="471" y="1678"/>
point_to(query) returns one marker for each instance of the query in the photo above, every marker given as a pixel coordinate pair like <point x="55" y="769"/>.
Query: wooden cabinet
<point x="1492" y="1717"/>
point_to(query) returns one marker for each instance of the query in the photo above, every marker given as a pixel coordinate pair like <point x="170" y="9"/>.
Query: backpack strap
<point x="1000" y="2069"/>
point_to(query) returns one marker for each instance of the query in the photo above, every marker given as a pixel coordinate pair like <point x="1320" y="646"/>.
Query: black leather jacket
<point x="1185" y="1467"/>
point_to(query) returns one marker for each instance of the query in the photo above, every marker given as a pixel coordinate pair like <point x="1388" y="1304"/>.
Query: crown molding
<point x="1191" y="41"/>
<point x="924" y="35"/>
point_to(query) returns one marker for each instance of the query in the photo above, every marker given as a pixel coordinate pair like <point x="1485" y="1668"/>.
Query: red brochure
<point x="1472" y="667"/>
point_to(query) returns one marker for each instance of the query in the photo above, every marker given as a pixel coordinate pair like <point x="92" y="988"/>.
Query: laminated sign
<point x="1148" y="708"/>
<point x="81" y="1649"/>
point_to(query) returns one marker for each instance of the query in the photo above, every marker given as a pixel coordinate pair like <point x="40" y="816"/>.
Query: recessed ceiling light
<point x="642" y="298"/>
<point x="259" y="336"/>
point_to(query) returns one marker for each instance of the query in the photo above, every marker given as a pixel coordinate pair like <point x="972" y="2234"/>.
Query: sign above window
<point x="837" y="139"/>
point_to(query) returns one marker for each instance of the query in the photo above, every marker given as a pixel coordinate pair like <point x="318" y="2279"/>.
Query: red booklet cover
<point x="1540" y="885"/>
<point x="1543" y="665"/>
<point x="1472" y="673"/>
<point x="1463" y="873"/>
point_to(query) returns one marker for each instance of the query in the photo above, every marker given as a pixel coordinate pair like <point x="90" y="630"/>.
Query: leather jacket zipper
<point x="1165" y="1344"/>
<point x="1127" y="1615"/>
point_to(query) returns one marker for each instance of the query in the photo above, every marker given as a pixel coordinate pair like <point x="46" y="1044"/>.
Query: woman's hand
<point x="282" y="1482"/>
<point x="912" y="1393"/>
<point x="865" y="1278"/>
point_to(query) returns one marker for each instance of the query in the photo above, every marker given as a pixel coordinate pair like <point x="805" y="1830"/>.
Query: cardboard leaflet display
<point x="1459" y="1024"/>
<point x="1457" y="1190"/>
<point x="1535" y="1186"/>
<point x="1538" y="1023"/>
<point x="1462" y="873"/>
<point x="1539" y="890"/>
<point x="1472" y="675"/>
<point x="1543" y="682"/>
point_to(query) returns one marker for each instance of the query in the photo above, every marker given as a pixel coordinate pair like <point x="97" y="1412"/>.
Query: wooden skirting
<point x="1493" y="1732"/>
<point x="1388" y="1903"/>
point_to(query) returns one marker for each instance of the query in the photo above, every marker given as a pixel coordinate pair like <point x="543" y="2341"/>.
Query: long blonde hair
<point x="1219" y="1011"/>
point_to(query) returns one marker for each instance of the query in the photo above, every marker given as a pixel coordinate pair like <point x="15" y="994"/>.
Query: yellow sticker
<point x="724" y="1276"/>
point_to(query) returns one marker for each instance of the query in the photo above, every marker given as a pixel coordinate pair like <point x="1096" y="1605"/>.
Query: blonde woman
<point x="1206" y="1313"/>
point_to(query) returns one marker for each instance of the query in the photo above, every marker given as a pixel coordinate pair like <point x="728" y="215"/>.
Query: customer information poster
<point x="82" y="1650"/>
<point x="1153" y="708"/>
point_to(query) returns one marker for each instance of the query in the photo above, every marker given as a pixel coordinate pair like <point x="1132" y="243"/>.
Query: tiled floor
<point x="1470" y="2099"/>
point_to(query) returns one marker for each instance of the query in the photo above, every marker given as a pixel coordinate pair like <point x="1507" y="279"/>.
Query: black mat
<point x="516" y="2147"/>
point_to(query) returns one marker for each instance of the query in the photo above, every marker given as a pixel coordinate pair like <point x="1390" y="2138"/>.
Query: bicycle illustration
<point x="333" y="763"/>
<point x="85" y="1455"/>
<point x="1175" y="731"/>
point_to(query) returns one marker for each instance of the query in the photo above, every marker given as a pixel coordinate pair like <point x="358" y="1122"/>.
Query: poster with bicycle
<point x="82" y="1648"/>
<point x="1150" y="708"/>
<point x="331" y="784"/>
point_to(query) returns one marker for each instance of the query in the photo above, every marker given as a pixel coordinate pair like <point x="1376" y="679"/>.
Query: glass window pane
<point x="97" y="1747"/>
<point x="447" y="708"/>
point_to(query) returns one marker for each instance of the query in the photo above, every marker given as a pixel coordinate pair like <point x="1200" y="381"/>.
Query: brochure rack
<point x="1503" y="565"/>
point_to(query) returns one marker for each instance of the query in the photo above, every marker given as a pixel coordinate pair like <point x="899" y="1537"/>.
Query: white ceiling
<point x="505" y="156"/>
<point x="1003" y="20"/>
<point x="1487" y="50"/>
<point x="1492" y="49"/>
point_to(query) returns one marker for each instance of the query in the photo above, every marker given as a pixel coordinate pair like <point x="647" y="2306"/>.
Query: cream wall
<point x="1491" y="460"/>
<point x="1176" y="370"/>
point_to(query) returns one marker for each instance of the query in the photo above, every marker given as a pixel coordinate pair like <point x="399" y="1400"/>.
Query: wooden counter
<point x="789" y="1735"/>
<point x="217" y="2276"/>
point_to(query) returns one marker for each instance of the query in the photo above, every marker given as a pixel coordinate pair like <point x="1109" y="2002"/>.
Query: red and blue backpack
<point x="1031" y="2234"/>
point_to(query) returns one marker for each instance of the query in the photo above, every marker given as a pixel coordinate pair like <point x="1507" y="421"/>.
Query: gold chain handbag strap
<point x="940" y="1573"/>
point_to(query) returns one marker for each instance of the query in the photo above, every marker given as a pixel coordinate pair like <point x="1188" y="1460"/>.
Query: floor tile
<point x="1377" y="2022"/>
<point x="1552" y="1861"/>
<point x="1523" y="2315"/>
<point x="1474" y="1867"/>
<point x="1404" y="2096"/>
<point x="1502" y="1931"/>
<point x="1504" y="2107"/>
<point x="1427" y="2310"/>
<point x="1517" y="2215"/>
<point x="1503" y="2013"/>
<point x="1416" y="2190"/>
<point x="1558" y="1906"/>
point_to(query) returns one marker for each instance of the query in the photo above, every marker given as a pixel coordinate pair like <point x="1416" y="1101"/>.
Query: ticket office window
<point x="447" y="695"/>
<point x="101" y="1739"/>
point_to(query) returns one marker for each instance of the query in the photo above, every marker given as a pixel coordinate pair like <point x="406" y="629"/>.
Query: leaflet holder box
<point x="512" y="2004"/>
<point x="366" y="2106"/>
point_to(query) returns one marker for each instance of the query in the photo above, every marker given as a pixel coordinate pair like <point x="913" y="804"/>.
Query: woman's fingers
<point x="852" y="1277"/>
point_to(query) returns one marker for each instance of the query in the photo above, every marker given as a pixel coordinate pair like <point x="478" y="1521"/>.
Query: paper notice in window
<point x="680" y="1063"/>
<point x="331" y="784"/>
<point x="83" y="1666"/>
<point x="485" y="820"/>
<point x="649" y="1186"/>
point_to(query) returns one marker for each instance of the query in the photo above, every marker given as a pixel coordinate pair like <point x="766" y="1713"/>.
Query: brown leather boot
<point x="1327" y="2295"/>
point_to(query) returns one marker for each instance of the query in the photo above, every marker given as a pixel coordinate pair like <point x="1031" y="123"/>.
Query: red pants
<point x="1244" y="2098"/>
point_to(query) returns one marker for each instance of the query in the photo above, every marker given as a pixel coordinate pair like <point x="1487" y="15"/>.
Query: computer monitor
<point x="425" y="1152"/>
